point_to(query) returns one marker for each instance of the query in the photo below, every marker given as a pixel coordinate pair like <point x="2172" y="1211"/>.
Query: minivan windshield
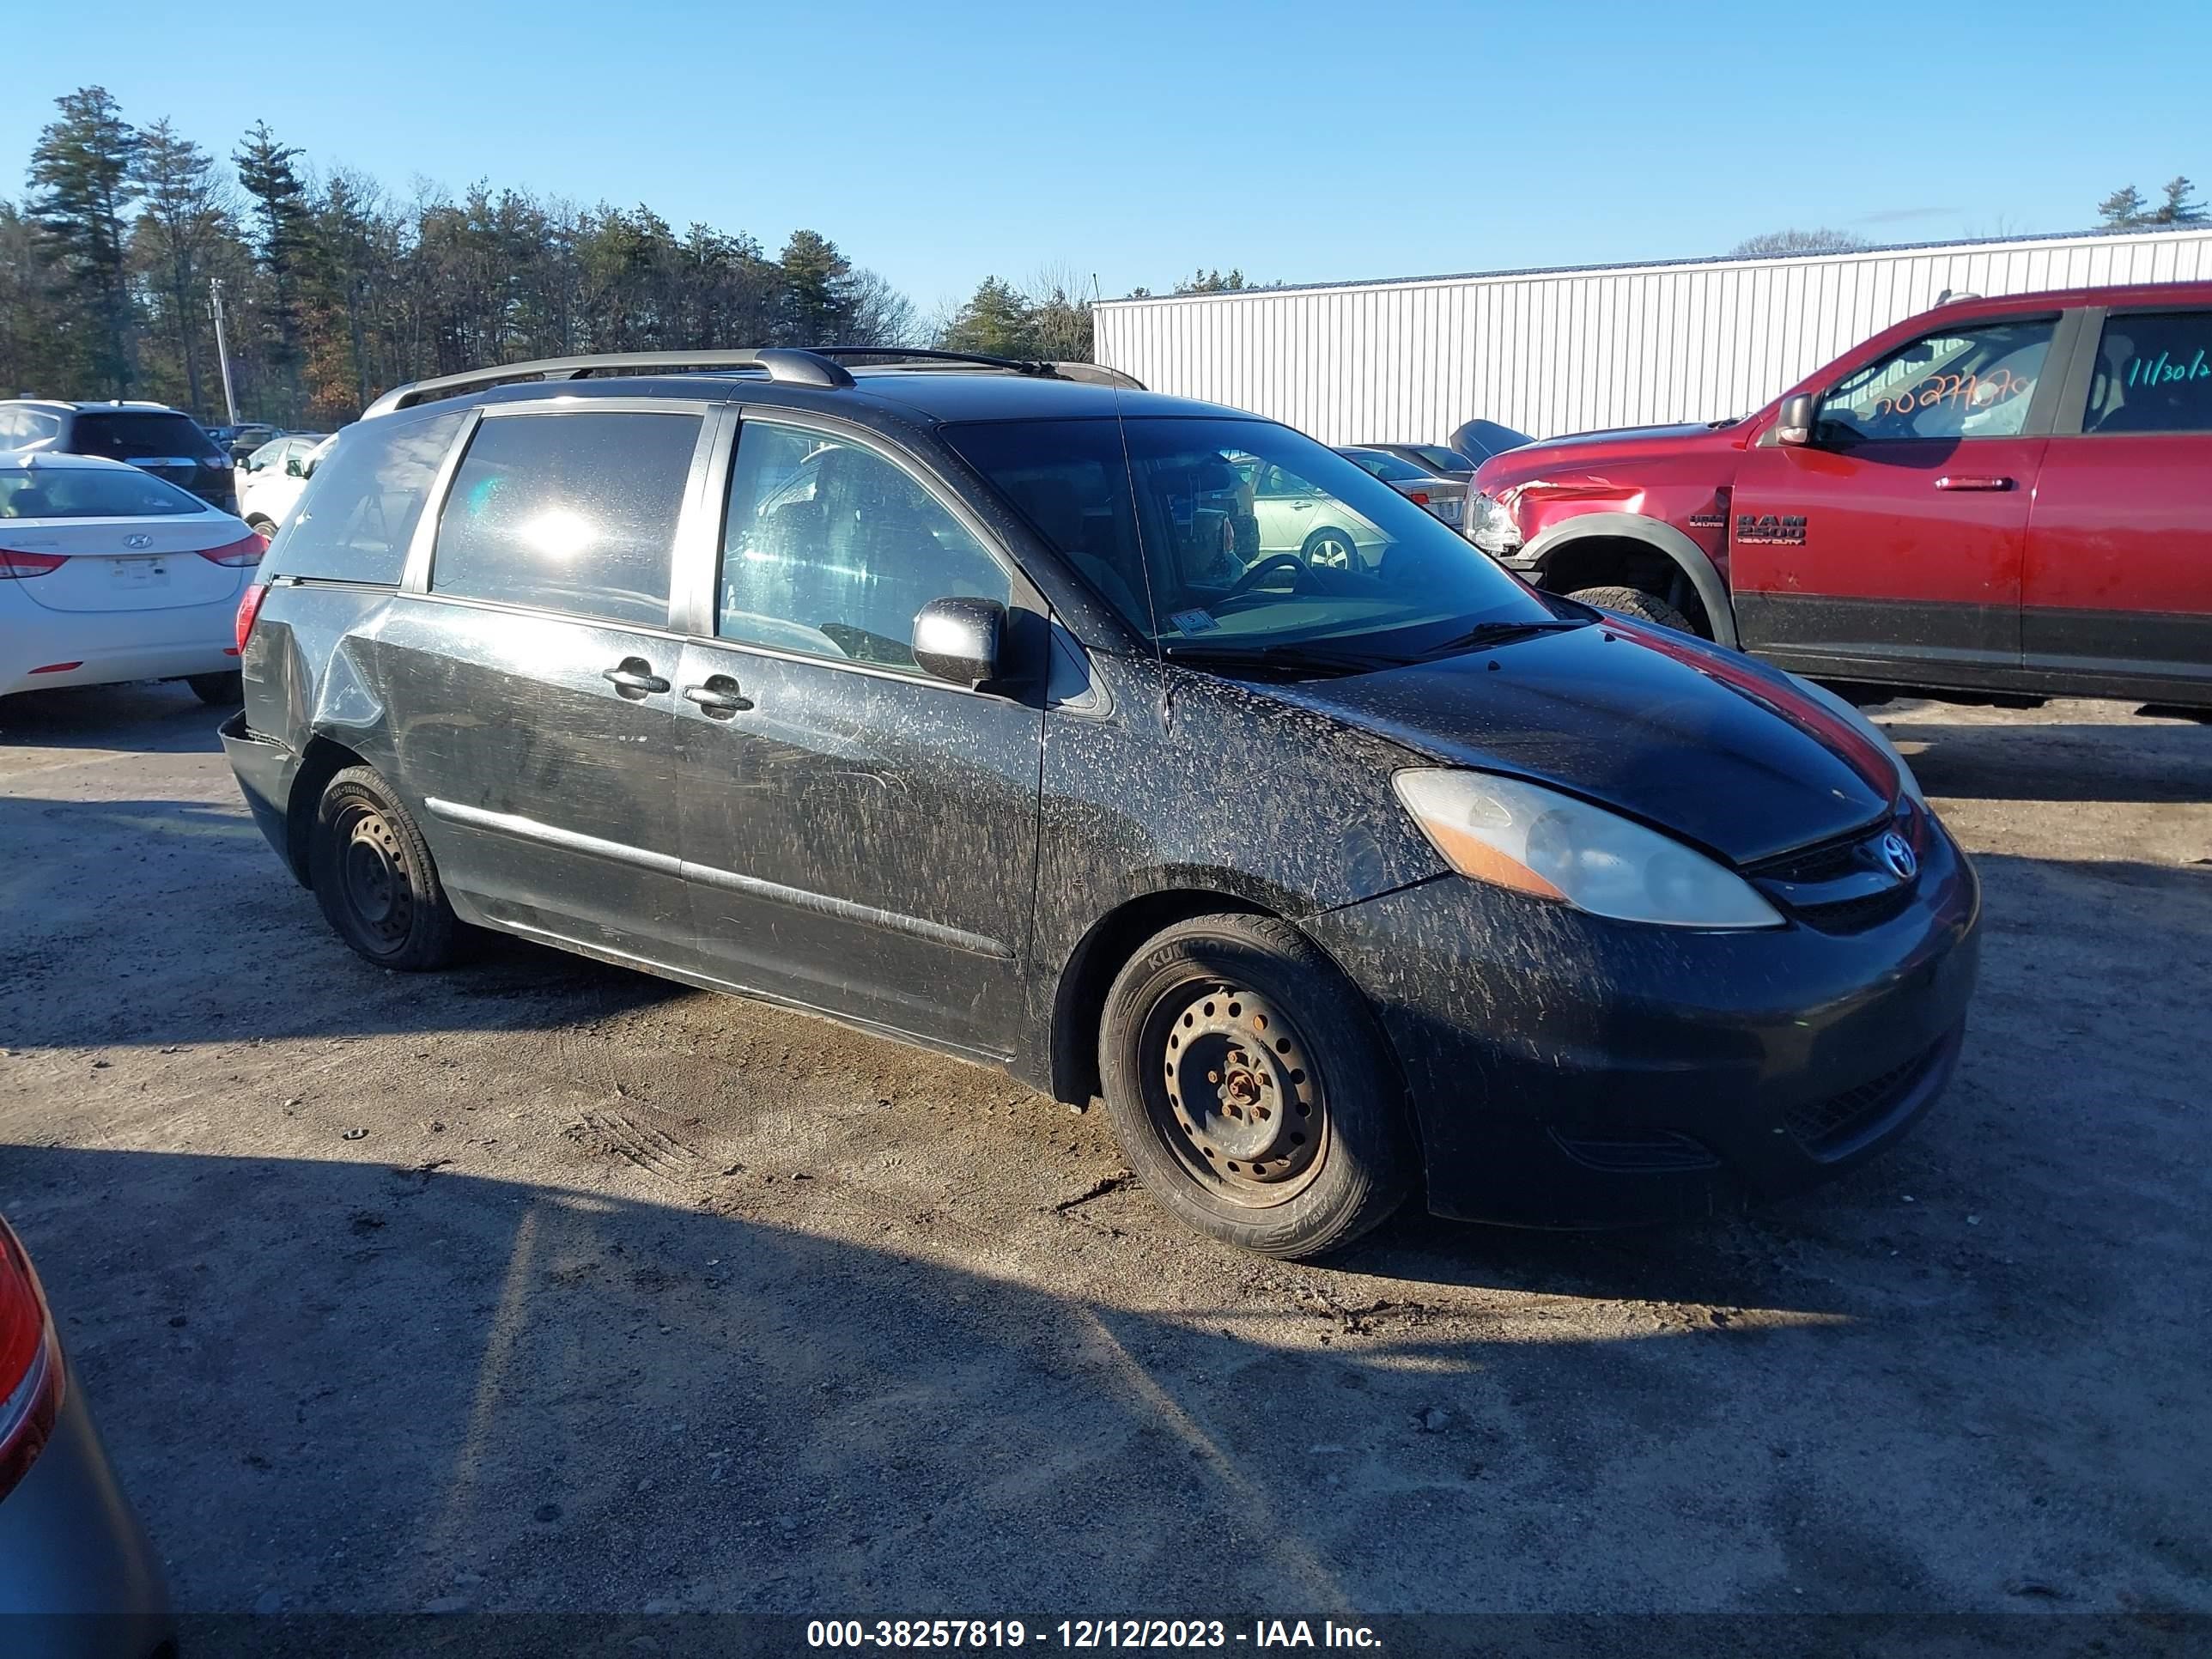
<point x="1242" y="539"/>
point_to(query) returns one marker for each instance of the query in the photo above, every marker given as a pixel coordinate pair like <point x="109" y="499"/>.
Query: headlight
<point x="1553" y="847"/>
<point x="1490" y="525"/>
<point x="1873" y="734"/>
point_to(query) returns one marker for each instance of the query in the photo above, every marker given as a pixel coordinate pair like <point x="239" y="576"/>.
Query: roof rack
<point x="927" y="357"/>
<point x="789" y="365"/>
<point x="794" y="366"/>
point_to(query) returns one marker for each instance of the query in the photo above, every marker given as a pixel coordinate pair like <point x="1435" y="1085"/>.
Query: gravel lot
<point x="542" y="1285"/>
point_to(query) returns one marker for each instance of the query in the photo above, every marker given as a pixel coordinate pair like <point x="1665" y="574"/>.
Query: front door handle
<point x="633" y="677"/>
<point x="719" y="698"/>
<point x="1955" y="480"/>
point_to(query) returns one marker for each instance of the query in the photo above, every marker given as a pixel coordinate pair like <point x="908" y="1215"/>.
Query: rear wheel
<point x="221" y="689"/>
<point x="1635" y="602"/>
<point x="373" y="876"/>
<point x="1249" y="1090"/>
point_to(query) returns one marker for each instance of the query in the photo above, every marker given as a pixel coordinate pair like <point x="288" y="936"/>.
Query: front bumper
<point x="1571" y="1072"/>
<point x="77" y="1578"/>
<point x="265" y="769"/>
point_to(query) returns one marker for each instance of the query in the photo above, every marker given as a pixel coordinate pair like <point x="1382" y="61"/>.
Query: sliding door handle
<point x="1957" y="481"/>
<point x="634" y="678"/>
<point x="719" y="698"/>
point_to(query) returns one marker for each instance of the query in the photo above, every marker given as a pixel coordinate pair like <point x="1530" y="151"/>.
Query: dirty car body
<point x="758" y="767"/>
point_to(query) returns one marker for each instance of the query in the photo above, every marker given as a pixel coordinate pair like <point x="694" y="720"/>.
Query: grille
<point x="1639" y="1152"/>
<point x="1849" y="915"/>
<point x="1825" y="862"/>
<point x="1826" y="1127"/>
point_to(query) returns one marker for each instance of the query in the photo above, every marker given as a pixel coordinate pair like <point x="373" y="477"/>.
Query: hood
<point x="1587" y="452"/>
<point x="1654" y="725"/>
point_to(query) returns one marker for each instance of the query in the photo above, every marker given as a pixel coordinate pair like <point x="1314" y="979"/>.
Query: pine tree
<point x="994" y="322"/>
<point x="265" y="169"/>
<point x="81" y="191"/>
<point x="2180" y="207"/>
<point x="2123" y="210"/>
<point x="818" y="299"/>
<point x="185" y="215"/>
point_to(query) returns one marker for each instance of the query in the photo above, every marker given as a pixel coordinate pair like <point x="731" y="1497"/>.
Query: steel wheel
<point x="373" y="878"/>
<point x="1234" y="1097"/>
<point x="373" y="874"/>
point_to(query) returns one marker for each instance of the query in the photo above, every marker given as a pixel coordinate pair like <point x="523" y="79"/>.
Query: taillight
<point x="237" y="555"/>
<point x="249" y="607"/>
<point x="30" y="1365"/>
<point x="1419" y="498"/>
<point x="24" y="566"/>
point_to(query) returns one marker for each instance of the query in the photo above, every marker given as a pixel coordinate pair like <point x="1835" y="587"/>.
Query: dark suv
<point x="938" y="698"/>
<point x="164" y="441"/>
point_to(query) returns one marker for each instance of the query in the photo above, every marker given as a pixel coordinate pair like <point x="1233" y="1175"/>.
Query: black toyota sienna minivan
<point x="1139" y="746"/>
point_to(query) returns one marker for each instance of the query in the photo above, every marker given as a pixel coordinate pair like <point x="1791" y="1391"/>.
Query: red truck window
<point x="2153" y="374"/>
<point x="1970" y="382"/>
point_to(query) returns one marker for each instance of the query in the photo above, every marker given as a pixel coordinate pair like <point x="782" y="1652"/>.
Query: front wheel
<point x="1249" y="1090"/>
<point x="372" y="873"/>
<point x="220" y="690"/>
<point x="1332" y="549"/>
<point x="1635" y="602"/>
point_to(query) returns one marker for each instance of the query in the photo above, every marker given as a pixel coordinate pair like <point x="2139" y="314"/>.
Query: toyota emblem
<point x="137" y="541"/>
<point x="1897" y="853"/>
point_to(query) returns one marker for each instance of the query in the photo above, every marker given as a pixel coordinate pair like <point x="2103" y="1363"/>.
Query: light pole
<point x="222" y="350"/>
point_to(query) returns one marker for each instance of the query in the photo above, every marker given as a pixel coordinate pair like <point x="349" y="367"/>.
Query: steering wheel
<point x="1268" y="566"/>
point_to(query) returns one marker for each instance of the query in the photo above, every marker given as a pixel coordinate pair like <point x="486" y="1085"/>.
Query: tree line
<point x="333" y="289"/>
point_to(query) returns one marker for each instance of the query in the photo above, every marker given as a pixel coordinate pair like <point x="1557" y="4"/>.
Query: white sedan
<point x="108" y="574"/>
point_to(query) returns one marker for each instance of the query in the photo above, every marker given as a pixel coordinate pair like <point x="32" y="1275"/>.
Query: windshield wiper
<point x="1292" y="660"/>
<point x="1484" y="635"/>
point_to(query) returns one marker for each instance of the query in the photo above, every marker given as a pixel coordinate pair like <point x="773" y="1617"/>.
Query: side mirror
<point x="294" y="468"/>
<point x="307" y="467"/>
<point x="960" y="640"/>
<point x="1793" y="425"/>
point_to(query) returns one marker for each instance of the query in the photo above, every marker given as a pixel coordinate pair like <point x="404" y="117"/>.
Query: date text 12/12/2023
<point x="1088" y="1633"/>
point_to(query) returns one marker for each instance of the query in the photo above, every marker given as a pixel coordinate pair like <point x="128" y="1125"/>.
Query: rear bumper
<point x="264" y="769"/>
<point x="111" y="665"/>
<point x="77" y="1578"/>
<point x="1568" y="1072"/>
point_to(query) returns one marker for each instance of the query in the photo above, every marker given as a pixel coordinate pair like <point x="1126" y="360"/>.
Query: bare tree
<point x="1782" y="244"/>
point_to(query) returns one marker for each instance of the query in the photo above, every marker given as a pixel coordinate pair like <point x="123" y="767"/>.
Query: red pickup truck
<point x="1998" y="498"/>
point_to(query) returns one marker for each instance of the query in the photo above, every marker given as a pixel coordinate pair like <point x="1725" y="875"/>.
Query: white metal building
<point x="1554" y="351"/>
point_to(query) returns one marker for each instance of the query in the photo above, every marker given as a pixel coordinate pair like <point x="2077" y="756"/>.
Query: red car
<point x="2000" y="497"/>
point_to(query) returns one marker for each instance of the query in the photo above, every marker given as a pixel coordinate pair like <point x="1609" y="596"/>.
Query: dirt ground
<point x="542" y="1286"/>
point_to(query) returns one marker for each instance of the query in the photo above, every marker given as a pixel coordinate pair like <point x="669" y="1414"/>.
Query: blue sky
<point x="1300" y="142"/>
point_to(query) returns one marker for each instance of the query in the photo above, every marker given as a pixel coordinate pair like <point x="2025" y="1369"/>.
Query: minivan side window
<point x="2154" y="373"/>
<point x="359" y="511"/>
<point x="831" y="549"/>
<point x="1975" y="381"/>
<point x="574" y="512"/>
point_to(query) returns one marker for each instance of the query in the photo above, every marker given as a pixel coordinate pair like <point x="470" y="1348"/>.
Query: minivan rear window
<point x="573" y="512"/>
<point x="360" y="509"/>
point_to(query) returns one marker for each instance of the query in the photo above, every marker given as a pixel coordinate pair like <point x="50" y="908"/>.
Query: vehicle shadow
<point x="158" y="717"/>
<point x="347" y="1388"/>
<point x="2151" y="761"/>
<point x="151" y="922"/>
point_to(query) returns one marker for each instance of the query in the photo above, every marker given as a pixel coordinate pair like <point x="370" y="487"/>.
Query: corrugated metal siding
<point x="1549" y="352"/>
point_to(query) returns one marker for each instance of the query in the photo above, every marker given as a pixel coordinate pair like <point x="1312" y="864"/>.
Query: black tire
<point x="267" y="527"/>
<point x="220" y="689"/>
<point x="1308" y="1101"/>
<point x="1635" y="602"/>
<point x="373" y="875"/>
